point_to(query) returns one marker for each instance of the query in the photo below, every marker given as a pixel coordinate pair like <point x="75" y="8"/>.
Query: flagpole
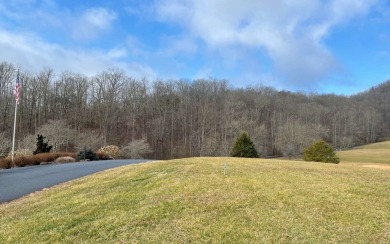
<point x="13" y="137"/>
<point x="16" y="94"/>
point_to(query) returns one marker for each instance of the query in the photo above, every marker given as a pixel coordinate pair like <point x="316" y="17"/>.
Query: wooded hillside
<point x="181" y="118"/>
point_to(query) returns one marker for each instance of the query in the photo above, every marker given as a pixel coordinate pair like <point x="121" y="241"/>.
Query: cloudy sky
<point x="322" y="46"/>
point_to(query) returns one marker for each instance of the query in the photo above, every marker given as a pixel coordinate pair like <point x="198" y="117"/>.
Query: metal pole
<point x="13" y="137"/>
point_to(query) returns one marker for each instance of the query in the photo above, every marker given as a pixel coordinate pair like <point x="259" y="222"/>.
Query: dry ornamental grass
<point x="21" y="161"/>
<point x="66" y="159"/>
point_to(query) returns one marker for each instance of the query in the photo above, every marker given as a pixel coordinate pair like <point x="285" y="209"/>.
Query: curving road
<point x="17" y="182"/>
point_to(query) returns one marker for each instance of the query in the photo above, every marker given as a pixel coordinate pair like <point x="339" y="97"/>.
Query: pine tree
<point x="42" y="146"/>
<point x="244" y="147"/>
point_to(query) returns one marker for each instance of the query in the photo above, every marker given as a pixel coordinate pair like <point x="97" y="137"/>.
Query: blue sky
<point x="322" y="46"/>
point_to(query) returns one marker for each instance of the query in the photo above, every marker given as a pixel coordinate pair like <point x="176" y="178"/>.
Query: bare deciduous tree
<point x="88" y="139"/>
<point x="184" y="118"/>
<point x="5" y="143"/>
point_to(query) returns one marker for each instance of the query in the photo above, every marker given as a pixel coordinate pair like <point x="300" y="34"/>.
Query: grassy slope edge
<point x="368" y="154"/>
<point x="190" y="200"/>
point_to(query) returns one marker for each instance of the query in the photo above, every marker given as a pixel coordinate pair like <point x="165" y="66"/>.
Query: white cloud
<point x="117" y="53"/>
<point x="33" y="53"/>
<point x="292" y="33"/>
<point x="99" y="17"/>
<point x="93" y="22"/>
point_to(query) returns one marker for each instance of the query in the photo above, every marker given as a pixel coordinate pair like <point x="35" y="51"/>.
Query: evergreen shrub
<point x="87" y="154"/>
<point x="42" y="147"/>
<point x="320" y="151"/>
<point x="244" y="148"/>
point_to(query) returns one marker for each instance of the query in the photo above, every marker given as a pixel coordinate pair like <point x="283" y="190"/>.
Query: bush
<point x="103" y="156"/>
<point x="244" y="148"/>
<point x="32" y="160"/>
<point x="136" y="149"/>
<point x="42" y="147"/>
<point x="5" y="163"/>
<point x="320" y="151"/>
<point x="66" y="159"/>
<point x="47" y="157"/>
<point x="111" y="150"/>
<point x="87" y="154"/>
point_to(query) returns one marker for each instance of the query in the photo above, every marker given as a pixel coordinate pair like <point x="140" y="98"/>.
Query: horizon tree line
<point x="183" y="118"/>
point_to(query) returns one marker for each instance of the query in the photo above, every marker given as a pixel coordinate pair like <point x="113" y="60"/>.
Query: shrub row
<point x="25" y="157"/>
<point x="21" y="161"/>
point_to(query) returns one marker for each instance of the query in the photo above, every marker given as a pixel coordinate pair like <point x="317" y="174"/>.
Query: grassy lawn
<point x="378" y="145"/>
<point x="368" y="154"/>
<point x="190" y="200"/>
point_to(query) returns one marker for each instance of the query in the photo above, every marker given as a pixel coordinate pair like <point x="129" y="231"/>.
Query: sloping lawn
<point x="192" y="201"/>
<point x="368" y="154"/>
<point x="378" y="145"/>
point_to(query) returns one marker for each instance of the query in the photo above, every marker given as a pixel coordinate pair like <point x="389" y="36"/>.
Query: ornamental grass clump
<point x="25" y="157"/>
<point x="21" y="153"/>
<point x="66" y="159"/>
<point x="5" y="163"/>
<point x="111" y="150"/>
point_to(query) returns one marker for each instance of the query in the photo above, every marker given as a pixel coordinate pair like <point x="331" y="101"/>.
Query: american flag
<point x="17" y="89"/>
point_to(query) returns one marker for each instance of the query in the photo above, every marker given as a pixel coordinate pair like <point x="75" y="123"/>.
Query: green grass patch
<point x="191" y="200"/>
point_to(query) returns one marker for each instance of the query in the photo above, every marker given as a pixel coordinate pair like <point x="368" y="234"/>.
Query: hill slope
<point x="191" y="200"/>
<point x="369" y="154"/>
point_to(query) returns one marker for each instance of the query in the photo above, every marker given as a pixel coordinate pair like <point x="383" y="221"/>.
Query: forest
<point x="182" y="118"/>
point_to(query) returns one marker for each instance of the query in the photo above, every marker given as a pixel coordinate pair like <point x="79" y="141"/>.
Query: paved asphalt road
<point x="17" y="182"/>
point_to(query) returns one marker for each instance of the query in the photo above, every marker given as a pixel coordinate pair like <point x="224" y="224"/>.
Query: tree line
<point x="184" y="118"/>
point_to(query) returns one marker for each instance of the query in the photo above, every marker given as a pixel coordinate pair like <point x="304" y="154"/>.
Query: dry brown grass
<point x="377" y="166"/>
<point x="66" y="159"/>
<point x="5" y="163"/>
<point x="34" y="159"/>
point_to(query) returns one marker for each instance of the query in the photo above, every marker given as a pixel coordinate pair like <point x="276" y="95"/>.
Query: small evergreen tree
<point x="320" y="151"/>
<point x="42" y="147"/>
<point x="87" y="154"/>
<point x="244" y="147"/>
